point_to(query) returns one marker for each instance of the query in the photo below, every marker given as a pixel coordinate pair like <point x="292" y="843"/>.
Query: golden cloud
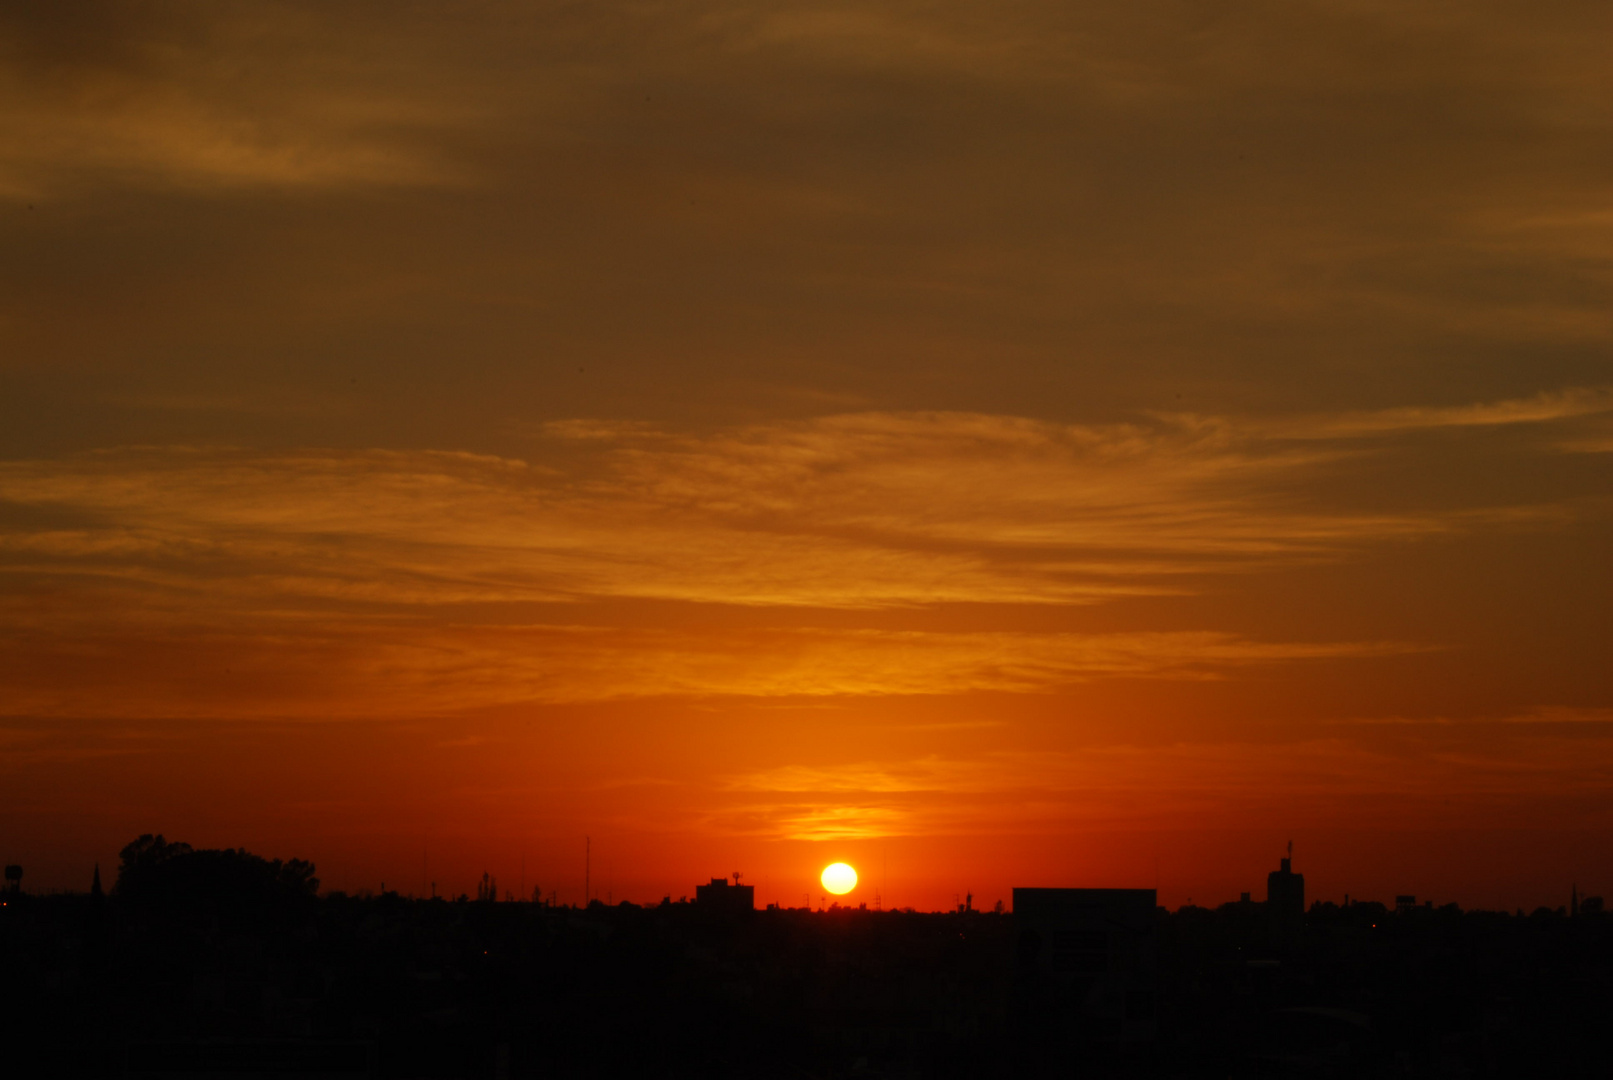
<point x="364" y="578"/>
<point x="855" y="511"/>
<point x="321" y="668"/>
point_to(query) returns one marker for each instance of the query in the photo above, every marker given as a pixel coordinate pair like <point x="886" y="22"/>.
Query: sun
<point x="839" y="878"/>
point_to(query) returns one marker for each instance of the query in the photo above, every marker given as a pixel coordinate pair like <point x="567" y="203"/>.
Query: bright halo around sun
<point x="839" y="878"/>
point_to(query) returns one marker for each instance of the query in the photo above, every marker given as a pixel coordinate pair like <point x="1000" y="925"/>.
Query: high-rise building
<point x="1285" y="897"/>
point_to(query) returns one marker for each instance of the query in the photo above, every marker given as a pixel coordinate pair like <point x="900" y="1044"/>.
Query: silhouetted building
<point x="95" y="882"/>
<point x="14" y="878"/>
<point x="1404" y="904"/>
<point x="1285" y="897"/>
<point x="1096" y="948"/>
<point x="720" y="896"/>
<point x="219" y="963"/>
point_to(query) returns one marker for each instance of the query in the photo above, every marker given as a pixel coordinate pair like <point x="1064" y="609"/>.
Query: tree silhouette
<point x="173" y="881"/>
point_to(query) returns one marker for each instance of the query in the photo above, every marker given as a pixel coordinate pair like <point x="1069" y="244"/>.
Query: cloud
<point x="1544" y="714"/>
<point x="1543" y="408"/>
<point x="853" y="511"/>
<point x="1444" y="781"/>
<point x="391" y="582"/>
<point x="200" y="98"/>
<point x="319" y="668"/>
<point x="1562" y="714"/>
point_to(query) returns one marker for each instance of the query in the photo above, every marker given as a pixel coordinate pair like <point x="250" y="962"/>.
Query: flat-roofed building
<point x="724" y="897"/>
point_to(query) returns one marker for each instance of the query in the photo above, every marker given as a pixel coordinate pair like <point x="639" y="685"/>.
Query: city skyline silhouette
<point x="225" y="963"/>
<point x="535" y="461"/>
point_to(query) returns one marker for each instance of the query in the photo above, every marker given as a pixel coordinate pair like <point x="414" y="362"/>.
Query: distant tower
<point x="95" y="883"/>
<point x="1285" y="895"/>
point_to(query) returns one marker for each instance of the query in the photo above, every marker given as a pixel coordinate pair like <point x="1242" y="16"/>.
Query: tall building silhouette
<point x="1285" y="895"/>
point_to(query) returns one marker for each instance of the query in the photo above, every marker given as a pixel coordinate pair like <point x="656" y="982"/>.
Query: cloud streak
<point x="1543" y="408"/>
<point x="322" y="669"/>
<point x="1307" y="781"/>
<point x="175" y="96"/>
<point x="854" y="511"/>
<point x="385" y="582"/>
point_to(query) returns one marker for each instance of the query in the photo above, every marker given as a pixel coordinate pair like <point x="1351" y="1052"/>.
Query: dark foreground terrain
<point x="235" y="966"/>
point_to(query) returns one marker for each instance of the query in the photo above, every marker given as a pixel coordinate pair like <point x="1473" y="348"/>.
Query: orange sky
<point x="1069" y="445"/>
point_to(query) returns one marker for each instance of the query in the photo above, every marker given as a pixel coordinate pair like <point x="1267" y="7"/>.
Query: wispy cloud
<point x="364" y="577"/>
<point x="1540" y="409"/>
<point x="1545" y="714"/>
<point x="1306" y="780"/>
<point x="323" y="668"/>
<point x="853" y="511"/>
<point x="207" y="99"/>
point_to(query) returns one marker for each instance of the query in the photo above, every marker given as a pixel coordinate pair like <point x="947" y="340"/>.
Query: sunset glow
<point x="603" y="447"/>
